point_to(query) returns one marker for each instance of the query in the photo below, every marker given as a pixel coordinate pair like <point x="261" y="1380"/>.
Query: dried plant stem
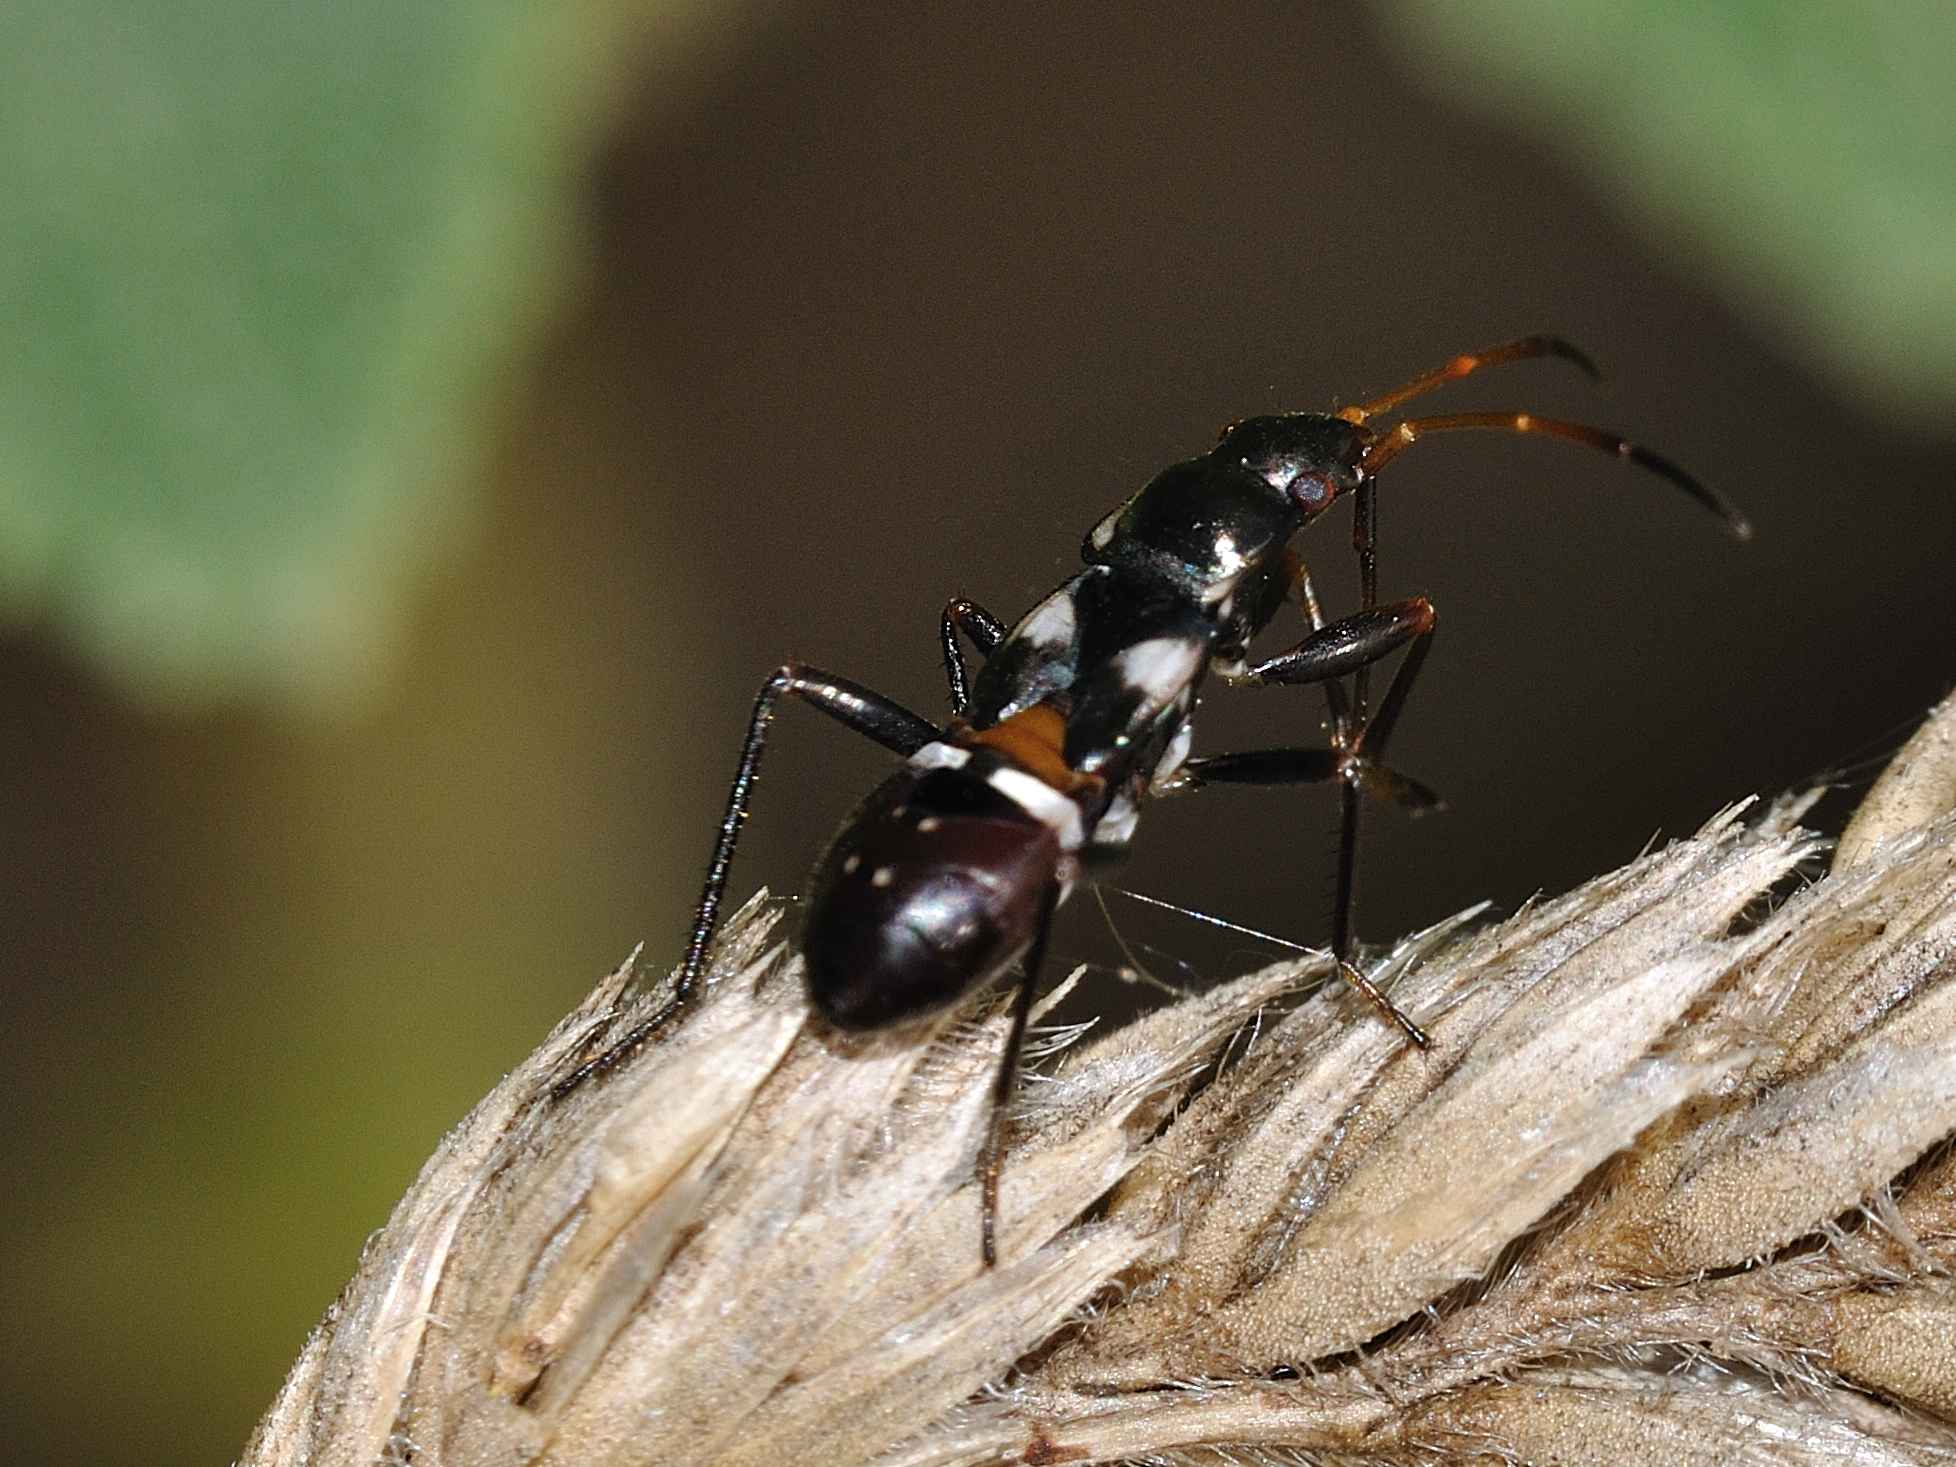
<point x="1674" y="1183"/>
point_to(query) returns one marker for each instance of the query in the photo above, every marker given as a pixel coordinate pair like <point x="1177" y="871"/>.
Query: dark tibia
<point x="849" y="703"/>
<point x="992" y="1157"/>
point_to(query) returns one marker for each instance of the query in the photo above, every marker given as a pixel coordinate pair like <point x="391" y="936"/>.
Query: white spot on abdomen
<point x="1042" y="802"/>
<point x="937" y="755"/>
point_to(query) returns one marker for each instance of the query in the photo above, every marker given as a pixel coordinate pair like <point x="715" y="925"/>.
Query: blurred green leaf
<point x="262" y="268"/>
<point x="1806" y="148"/>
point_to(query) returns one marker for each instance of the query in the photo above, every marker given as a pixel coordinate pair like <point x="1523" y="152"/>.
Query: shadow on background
<point x="895" y="313"/>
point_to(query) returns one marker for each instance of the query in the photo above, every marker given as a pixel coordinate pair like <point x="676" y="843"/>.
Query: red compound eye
<point x="1311" y="492"/>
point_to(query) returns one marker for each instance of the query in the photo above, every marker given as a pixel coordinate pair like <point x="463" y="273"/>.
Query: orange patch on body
<point x="1033" y="739"/>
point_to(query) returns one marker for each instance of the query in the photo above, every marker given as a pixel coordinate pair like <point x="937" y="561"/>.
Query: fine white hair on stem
<point x="1675" y="1182"/>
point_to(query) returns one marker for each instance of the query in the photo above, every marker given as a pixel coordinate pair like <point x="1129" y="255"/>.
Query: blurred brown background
<point x="893" y="308"/>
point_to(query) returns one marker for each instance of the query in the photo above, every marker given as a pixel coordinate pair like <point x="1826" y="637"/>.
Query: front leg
<point x="1346" y="645"/>
<point x="1351" y="645"/>
<point x="1365" y="544"/>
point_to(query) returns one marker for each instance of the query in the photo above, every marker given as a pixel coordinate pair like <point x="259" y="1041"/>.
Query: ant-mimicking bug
<point x="949" y="873"/>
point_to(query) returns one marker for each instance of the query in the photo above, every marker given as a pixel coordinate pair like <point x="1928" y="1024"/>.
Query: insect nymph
<point x="946" y="877"/>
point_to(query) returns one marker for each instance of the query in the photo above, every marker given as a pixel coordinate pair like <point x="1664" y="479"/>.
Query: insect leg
<point x="889" y="723"/>
<point x="1365" y="543"/>
<point x="1347" y="718"/>
<point x="1306" y="766"/>
<point x="1366" y="546"/>
<point x="1361" y="757"/>
<point x="1306" y="592"/>
<point x="1352" y="644"/>
<point x="1316" y="766"/>
<point x="986" y="632"/>
<point x="1348" y="644"/>
<point x="992" y="1156"/>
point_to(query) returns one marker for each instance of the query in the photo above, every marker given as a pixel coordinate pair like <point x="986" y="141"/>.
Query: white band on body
<point x="939" y="755"/>
<point x="1041" y="801"/>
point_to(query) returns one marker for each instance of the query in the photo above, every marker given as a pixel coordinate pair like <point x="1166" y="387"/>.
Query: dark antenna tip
<point x="1387" y="446"/>
<point x="1567" y="350"/>
<point x="1736" y="523"/>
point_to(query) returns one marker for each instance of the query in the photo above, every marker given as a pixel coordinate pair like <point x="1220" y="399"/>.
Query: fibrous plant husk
<point x="1674" y="1183"/>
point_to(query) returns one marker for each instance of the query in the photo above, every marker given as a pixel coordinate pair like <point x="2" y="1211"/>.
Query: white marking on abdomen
<point x="1042" y="802"/>
<point x="937" y="755"/>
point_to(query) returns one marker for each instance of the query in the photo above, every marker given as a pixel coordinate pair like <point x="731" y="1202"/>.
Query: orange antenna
<point x="1389" y="444"/>
<point x="1470" y="362"/>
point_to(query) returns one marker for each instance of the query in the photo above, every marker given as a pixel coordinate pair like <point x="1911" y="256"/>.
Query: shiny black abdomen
<point x="930" y="891"/>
